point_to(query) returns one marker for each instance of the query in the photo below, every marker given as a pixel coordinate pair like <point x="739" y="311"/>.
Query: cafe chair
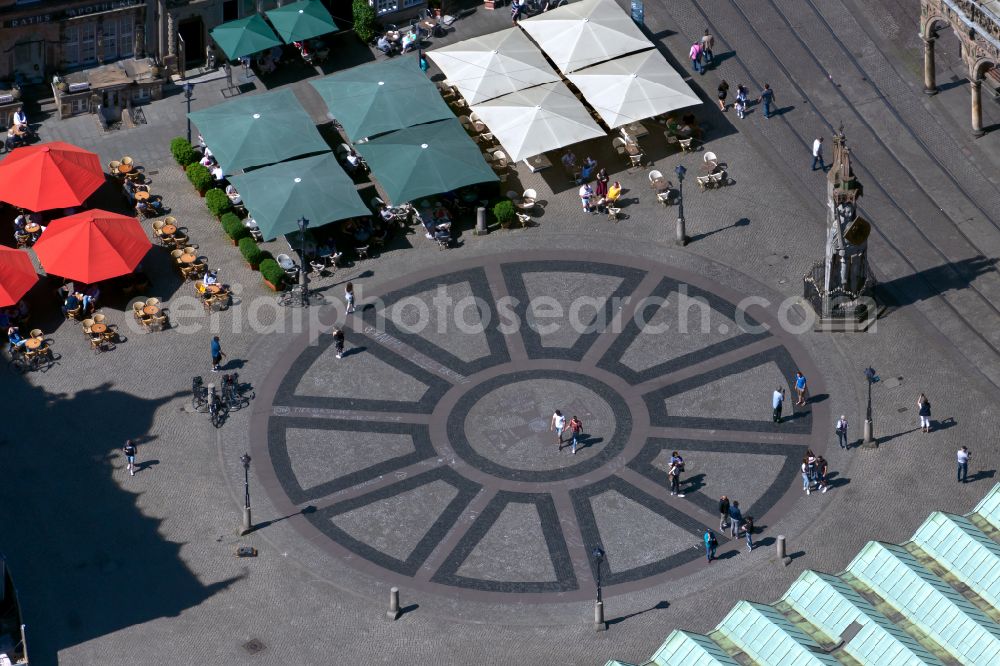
<point x="717" y="179"/>
<point x="22" y="238"/>
<point x="100" y="319"/>
<point x="127" y="161"/>
<point x="317" y="265"/>
<point x="524" y="219"/>
<point x="685" y="145"/>
<point x="613" y="213"/>
<point x="654" y="176"/>
<point x="75" y="313"/>
<point x="709" y="157"/>
<point x="158" y="226"/>
<point x="362" y="252"/>
<point x="180" y="239"/>
<point x="35" y="333"/>
<point x="153" y="301"/>
<point x="86" y="324"/>
<point x="158" y="322"/>
<point x="618" y="144"/>
<point x="288" y="265"/>
<point x="666" y="197"/>
<point x="636" y="160"/>
<point x="703" y="181"/>
<point x="176" y="255"/>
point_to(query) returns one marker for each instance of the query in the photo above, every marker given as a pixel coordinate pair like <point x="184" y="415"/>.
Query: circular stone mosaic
<point x="425" y="456"/>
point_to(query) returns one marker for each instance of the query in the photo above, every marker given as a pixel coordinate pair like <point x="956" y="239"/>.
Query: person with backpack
<point x="924" y="412"/>
<point x="129" y="450"/>
<point x="674" y="472"/>
<point x="711" y="543"/>
<point x="723" y="513"/>
<point x="735" y="519"/>
<point x="575" y="428"/>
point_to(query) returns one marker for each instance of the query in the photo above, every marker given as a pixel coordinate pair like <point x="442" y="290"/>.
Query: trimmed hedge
<point x="251" y="252"/>
<point x="272" y="272"/>
<point x="200" y="177"/>
<point x="183" y="151"/>
<point x="233" y="227"/>
<point x="364" y="20"/>
<point x="218" y="202"/>
<point x="504" y="213"/>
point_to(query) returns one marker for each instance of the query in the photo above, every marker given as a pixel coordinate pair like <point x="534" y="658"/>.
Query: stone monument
<point x="841" y="289"/>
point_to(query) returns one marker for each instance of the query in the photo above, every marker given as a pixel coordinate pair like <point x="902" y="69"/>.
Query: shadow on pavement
<point x="88" y="562"/>
<point x="660" y="606"/>
<point x="936" y="281"/>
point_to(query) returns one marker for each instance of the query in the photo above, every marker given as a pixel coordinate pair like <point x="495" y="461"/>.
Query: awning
<point x="532" y="121"/>
<point x="315" y="188"/>
<point x="492" y="65"/>
<point x="92" y="246"/>
<point x="258" y="129"/>
<point x="425" y="160"/>
<point x="17" y="275"/>
<point x="49" y="175"/>
<point x="301" y="20"/>
<point x="381" y="97"/>
<point x="244" y="37"/>
<point x="634" y="87"/>
<point x="584" y="33"/>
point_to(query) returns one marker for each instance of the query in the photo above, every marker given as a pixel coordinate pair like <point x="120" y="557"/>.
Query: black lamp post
<point x="681" y="230"/>
<point x="303" y="273"/>
<point x="188" y="89"/>
<point x="599" y="624"/>
<point x="869" y="437"/>
<point x="247" y="526"/>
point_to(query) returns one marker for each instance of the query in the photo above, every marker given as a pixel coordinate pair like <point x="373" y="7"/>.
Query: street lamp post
<point x="599" y="623"/>
<point x="869" y="436"/>
<point x="681" y="230"/>
<point x="303" y="273"/>
<point x="188" y="89"/>
<point x="247" y="525"/>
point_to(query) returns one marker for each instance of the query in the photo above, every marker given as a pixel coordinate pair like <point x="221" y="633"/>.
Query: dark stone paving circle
<point x="424" y="457"/>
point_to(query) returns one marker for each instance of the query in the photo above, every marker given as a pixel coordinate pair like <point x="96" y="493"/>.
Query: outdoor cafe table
<point x="188" y="258"/>
<point x="537" y="163"/>
<point x="709" y="168"/>
<point x="32" y="228"/>
<point x="97" y="329"/>
<point x="168" y="230"/>
<point x="148" y="310"/>
<point x="141" y="195"/>
<point x="660" y="184"/>
<point x="213" y="288"/>
<point x="633" y="149"/>
<point x="124" y="168"/>
<point x="33" y="343"/>
<point x="636" y="129"/>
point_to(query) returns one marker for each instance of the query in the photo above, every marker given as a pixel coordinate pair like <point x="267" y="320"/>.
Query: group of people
<point x="562" y="427"/>
<point x="730" y="517"/>
<point x="600" y="196"/>
<point x="82" y="301"/>
<point x="21" y="234"/>
<point x="19" y="132"/>
<point x="209" y="162"/>
<point x="814" y="470"/>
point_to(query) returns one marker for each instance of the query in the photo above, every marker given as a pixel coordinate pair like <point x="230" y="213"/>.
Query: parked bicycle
<point x="235" y="394"/>
<point x="218" y="410"/>
<point x="207" y="399"/>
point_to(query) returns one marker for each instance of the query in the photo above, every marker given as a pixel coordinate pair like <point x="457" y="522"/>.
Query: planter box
<point x="273" y="287"/>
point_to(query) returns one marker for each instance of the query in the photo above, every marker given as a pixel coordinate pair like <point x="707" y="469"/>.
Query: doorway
<point x="29" y="61"/>
<point x="192" y="31"/>
<point x="230" y="10"/>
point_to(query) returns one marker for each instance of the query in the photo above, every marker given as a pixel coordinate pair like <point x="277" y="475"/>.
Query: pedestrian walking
<point x="924" y="412"/>
<point x="811" y="466"/>
<point x="841" y="430"/>
<point x="735" y="518"/>
<point x="674" y="472"/>
<point x="800" y="389"/>
<point x="767" y="98"/>
<point x="129" y="450"/>
<point x="723" y="513"/>
<point x="349" y="296"/>
<point x="216" y="353"/>
<point x="515" y="11"/>
<point x="818" y="154"/>
<point x="723" y="91"/>
<point x="338" y="342"/>
<point x="963" y="463"/>
<point x="748" y="532"/>
<point x="695" y="55"/>
<point x="777" y="400"/>
<point x="821" y="469"/>
<point x="586" y="192"/>
<point x="741" y="101"/>
<point x="711" y="543"/>
<point x="575" y="428"/>
<point x="558" y="423"/>
<point x="423" y="64"/>
<point x="806" y="483"/>
<point x="707" y="45"/>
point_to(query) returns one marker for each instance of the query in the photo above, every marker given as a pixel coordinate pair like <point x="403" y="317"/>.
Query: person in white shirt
<point x="558" y="424"/>
<point x="212" y="277"/>
<point x="841" y="430"/>
<point x="963" y="463"/>
<point x="21" y="118"/>
<point x="217" y="173"/>
<point x="353" y="160"/>
<point x="207" y="160"/>
<point x="818" y="154"/>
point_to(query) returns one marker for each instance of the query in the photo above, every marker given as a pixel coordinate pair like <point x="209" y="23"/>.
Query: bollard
<point x="247" y="526"/>
<point x="599" y="624"/>
<point x="393" y="612"/>
<point x="480" y="221"/>
<point x="782" y="557"/>
<point x="868" y="441"/>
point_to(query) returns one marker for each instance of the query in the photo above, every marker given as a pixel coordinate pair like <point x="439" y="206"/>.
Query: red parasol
<point x="17" y="275"/>
<point x="92" y="246"/>
<point x="49" y="175"/>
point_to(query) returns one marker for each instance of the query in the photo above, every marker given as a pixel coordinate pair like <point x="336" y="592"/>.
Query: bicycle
<point x="297" y="296"/>
<point x="217" y="408"/>
<point x="234" y="393"/>
<point x="199" y="394"/>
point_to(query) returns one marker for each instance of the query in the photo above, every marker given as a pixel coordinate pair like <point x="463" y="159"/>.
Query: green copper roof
<point x="934" y="600"/>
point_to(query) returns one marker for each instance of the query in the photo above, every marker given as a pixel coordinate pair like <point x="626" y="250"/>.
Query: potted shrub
<point x="251" y="252"/>
<point x="234" y="228"/>
<point x="272" y="273"/>
<point x="364" y="20"/>
<point x="218" y="202"/>
<point x="504" y="213"/>
<point x="200" y="177"/>
<point x="183" y="151"/>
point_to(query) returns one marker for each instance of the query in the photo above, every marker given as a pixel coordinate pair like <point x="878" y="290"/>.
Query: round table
<point x="632" y="148"/>
<point x="188" y="258"/>
<point x="149" y="310"/>
<point x="478" y="126"/>
<point x="32" y="228"/>
<point x="168" y="230"/>
<point x="124" y="168"/>
<point x="141" y="195"/>
<point x="213" y="288"/>
<point x="660" y="184"/>
<point x="33" y="343"/>
<point x="709" y="168"/>
<point x="97" y="329"/>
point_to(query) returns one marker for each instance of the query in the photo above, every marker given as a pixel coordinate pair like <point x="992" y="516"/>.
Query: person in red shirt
<point x="575" y="427"/>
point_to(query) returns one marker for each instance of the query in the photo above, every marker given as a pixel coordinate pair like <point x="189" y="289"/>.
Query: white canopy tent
<point x="584" y="33"/>
<point x="530" y="122"/>
<point x="492" y="65"/>
<point x="634" y="87"/>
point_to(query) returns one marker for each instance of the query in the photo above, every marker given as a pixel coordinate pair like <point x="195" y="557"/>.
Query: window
<point x="71" y="47"/>
<point x="109" y="40"/>
<point x="126" y="36"/>
<point x="88" y="43"/>
<point x="384" y="6"/>
<point x="412" y="3"/>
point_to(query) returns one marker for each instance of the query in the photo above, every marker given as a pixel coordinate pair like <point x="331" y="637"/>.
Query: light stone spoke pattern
<point x="401" y="482"/>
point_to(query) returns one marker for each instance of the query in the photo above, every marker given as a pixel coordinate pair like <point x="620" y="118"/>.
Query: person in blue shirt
<point x="711" y="543"/>
<point x="735" y="518"/>
<point x="14" y="338"/>
<point x="216" y="354"/>
<point x="71" y="303"/>
<point x="800" y="389"/>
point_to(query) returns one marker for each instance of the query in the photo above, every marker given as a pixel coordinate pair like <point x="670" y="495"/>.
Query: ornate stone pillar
<point x="171" y="35"/>
<point x="930" y="75"/>
<point x="161" y="29"/>
<point x="975" y="87"/>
